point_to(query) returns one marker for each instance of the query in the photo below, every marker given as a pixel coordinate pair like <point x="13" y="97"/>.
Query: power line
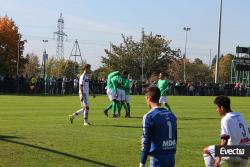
<point x="88" y="42"/>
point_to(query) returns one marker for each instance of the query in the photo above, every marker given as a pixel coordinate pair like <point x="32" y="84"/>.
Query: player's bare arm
<point x="223" y="142"/>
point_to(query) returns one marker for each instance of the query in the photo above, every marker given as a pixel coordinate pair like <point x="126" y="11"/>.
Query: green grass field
<point x="35" y="131"/>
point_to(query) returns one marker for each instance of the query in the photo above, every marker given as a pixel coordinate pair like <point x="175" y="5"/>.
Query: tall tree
<point x="224" y="68"/>
<point x="197" y="61"/>
<point x="10" y="43"/>
<point x="175" y="70"/>
<point x="62" y="67"/>
<point x="197" y="71"/>
<point x="101" y="72"/>
<point x="32" y="67"/>
<point x="153" y="51"/>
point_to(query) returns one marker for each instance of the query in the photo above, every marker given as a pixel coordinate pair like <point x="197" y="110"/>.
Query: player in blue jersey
<point x="159" y="132"/>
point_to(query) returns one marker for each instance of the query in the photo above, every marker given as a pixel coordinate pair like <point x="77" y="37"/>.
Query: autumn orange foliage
<point x="9" y="38"/>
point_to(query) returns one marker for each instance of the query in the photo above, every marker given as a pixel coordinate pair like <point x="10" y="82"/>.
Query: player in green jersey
<point x="127" y="92"/>
<point x="116" y="93"/>
<point x="112" y="93"/>
<point x="119" y="80"/>
<point x="162" y="84"/>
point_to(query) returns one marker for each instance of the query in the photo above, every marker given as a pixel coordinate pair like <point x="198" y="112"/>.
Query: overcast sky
<point x="96" y="23"/>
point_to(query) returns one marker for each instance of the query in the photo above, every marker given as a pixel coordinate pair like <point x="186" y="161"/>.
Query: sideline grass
<point x="35" y="131"/>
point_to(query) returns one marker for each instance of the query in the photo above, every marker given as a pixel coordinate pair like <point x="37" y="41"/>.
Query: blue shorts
<point x="162" y="161"/>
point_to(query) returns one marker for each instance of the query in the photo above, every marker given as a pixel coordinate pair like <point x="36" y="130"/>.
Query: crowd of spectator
<point x="63" y="86"/>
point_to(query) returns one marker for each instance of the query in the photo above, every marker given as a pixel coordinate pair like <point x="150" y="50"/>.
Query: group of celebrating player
<point x="159" y="125"/>
<point x="118" y="89"/>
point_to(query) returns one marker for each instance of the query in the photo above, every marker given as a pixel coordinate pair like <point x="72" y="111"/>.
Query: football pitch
<point x="35" y="131"/>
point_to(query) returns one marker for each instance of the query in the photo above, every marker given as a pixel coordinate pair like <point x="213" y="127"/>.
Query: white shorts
<point x="111" y="94"/>
<point x="85" y="101"/>
<point x="163" y="99"/>
<point x="127" y="99"/>
<point x="231" y="161"/>
<point x="121" y="95"/>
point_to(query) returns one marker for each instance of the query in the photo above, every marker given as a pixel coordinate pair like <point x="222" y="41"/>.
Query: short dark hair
<point x="223" y="101"/>
<point x="154" y="92"/>
<point x="86" y="66"/>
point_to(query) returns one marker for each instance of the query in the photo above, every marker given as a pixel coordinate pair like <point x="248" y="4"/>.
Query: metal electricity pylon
<point x="76" y="52"/>
<point x="60" y="38"/>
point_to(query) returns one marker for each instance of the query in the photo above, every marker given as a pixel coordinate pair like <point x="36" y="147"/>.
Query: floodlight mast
<point x="184" y="56"/>
<point x="218" y="54"/>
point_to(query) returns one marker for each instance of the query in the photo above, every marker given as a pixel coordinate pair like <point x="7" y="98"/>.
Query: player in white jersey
<point x="234" y="131"/>
<point x="83" y="94"/>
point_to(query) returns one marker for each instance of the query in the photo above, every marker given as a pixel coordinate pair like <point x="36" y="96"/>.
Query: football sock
<point x="167" y="106"/>
<point x="86" y="113"/>
<point x="119" y="104"/>
<point x="125" y="106"/>
<point x="78" y="112"/>
<point x="128" y="105"/>
<point x="109" y="107"/>
<point x="209" y="161"/>
<point x="86" y="121"/>
<point x="114" y="107"/>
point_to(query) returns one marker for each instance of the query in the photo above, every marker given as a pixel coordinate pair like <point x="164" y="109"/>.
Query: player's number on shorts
<point x="169" y="129"/>
<point x="243" y="129"/>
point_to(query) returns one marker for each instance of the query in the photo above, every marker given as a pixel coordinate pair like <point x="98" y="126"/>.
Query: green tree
<point x="62" y="67"/>
<point x="175" y="70"/>
<point x="154" y="50"/>
<point x="224" y="68"/>
<point x="101" y="72"/>
<point x="197" y="61"/>
<point x="32" y="67"/>
<point x="197" y="71"/>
